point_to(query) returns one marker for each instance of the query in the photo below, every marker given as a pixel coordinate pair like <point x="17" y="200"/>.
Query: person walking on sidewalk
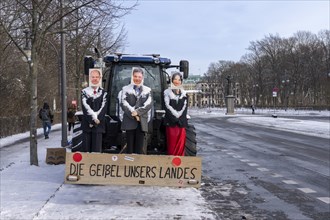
<point x="46" y="115"/>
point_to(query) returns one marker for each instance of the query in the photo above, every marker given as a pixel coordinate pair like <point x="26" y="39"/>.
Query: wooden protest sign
<point x="132" y="169"/>
<point x="55" y="155"/>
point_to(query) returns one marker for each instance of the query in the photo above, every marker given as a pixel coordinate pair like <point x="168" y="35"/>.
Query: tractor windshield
<point x="122" y="77"/>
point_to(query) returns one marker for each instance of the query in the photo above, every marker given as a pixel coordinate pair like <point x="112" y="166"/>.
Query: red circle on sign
<point x="176" y="161"/>
<point x="77" y="157"/>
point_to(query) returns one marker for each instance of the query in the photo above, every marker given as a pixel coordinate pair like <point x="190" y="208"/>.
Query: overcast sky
<point x="208" y="31"/>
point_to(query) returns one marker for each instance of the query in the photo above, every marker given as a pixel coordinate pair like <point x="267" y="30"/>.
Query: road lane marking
<point x="291" y="182"/>
<point x="276" y="175"/>
<point x="307" y="190"/>
<point x="253" y="164"/>
<point x="263" y="169"/>
<point x="324" y="199"/>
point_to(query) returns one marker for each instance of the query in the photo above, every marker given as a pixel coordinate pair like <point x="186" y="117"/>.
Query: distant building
<point x="212" y="94"/>
<point x="190" y="85"/>
<point x="208" y="94"/>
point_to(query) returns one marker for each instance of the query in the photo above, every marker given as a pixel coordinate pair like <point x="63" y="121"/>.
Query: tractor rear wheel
<point x="76" y="144"/>
<point x="190" y="147"/>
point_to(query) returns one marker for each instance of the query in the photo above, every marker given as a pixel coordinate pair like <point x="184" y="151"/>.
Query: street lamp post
<point x="275" y="90"/>
<point x="286" y="94"/>
<point x="255" y="94"/>
<point x="209" y="102"/>
<point x="58" y="55"/>
<point x="64" y="141"/>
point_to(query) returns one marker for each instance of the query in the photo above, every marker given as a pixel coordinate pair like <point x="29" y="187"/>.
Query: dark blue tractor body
<point x="116" y="74"/>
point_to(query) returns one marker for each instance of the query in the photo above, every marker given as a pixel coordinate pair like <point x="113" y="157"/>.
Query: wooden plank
<point x="55" y="155"/>
<point x="133" y="169"/>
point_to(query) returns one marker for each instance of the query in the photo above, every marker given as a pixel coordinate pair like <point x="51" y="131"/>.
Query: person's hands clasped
<point x="134" y="113"/>
<point x="96" y="121"/>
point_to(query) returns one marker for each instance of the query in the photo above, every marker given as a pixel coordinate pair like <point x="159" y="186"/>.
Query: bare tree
<point x="299" y="66"/>
<point x="42" y="19"/>
<point x="324" y="37"/>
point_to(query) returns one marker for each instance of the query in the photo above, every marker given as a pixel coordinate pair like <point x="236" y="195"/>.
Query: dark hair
<point x="137" y="70"/>
<point x="176" y="74"/>
<point x="46" y="106"/>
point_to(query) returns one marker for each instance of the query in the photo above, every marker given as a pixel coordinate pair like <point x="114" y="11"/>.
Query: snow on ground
<point x="39" y="192"/>
<point x="297" y="124"/>
<point x="14" y="138"/>
<point x="313" y="128"/>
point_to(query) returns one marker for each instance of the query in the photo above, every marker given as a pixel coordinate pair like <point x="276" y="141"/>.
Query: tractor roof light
<point x="116" y="58"/>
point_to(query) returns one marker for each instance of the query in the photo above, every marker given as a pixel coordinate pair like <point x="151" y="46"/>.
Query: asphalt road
<point x="259" y="173"/>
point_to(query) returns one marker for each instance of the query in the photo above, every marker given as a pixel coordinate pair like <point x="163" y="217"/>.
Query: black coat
<point x="176" y="107"/>
<point x="93" y="106"/>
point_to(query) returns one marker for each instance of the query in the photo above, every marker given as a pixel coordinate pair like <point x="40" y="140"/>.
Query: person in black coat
<point x="94" y="100"/>
<point x="175" y="120"/>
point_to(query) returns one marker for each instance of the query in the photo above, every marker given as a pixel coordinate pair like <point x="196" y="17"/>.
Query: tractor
<point x="116" y="70"/>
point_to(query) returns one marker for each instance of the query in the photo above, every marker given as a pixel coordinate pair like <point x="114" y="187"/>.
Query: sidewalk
<point x="39" y="192"/>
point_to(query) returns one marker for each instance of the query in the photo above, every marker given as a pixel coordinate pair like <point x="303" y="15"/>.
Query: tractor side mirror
<point x="88" y="64"/>
<point x="184" y="67"/>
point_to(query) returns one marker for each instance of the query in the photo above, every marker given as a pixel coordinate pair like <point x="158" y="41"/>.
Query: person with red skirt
<point x="175" y="120"/>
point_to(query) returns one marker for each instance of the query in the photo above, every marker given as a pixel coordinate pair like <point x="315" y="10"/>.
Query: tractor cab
<point x="117" y="70"/>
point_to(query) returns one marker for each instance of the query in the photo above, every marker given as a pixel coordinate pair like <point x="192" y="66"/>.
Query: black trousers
<point x="92" y="142"/>
<point x="135" y="140"/>
<point x="71" y="125"/>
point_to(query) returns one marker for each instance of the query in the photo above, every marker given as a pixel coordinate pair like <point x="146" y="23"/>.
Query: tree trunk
<point x="34" y="111"/>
